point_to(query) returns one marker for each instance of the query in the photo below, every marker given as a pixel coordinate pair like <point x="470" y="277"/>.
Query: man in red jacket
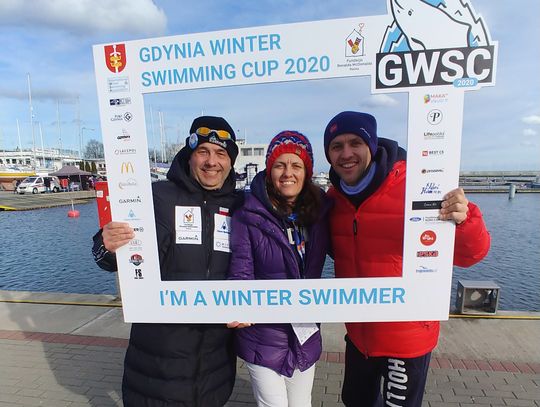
<point x="368" y="178"/>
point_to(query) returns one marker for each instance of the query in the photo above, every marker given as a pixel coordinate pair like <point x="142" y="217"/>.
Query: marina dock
<point x="67" y="350"/>
<point x="10" y="201"/>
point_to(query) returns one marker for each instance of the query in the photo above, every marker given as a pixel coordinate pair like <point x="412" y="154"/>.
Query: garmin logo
<point x="130" y="200"/>
<point x="184" y="238"/>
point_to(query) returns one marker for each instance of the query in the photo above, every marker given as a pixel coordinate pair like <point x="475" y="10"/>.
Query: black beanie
<point x="213" y="123"/>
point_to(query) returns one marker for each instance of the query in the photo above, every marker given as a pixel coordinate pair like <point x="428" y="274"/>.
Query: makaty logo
<point x="428" y="237"/>
<point x="115" y="57"/>
<point x="127" y="167"/>
<point x="434" y="43"/>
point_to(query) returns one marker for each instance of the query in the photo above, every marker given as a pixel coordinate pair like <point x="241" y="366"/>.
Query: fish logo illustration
<point x="115" y="57"/>
<point x="416" y="23"/>
<point x="434" y="43"/>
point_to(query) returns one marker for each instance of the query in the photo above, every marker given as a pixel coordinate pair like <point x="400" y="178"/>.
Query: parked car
<point x="36" y="185"/>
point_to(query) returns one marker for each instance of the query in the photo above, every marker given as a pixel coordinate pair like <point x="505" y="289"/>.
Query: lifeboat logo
<point x="115" y="57"/>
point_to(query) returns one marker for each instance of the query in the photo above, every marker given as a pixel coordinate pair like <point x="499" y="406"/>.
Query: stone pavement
<point x="66" y="355"/>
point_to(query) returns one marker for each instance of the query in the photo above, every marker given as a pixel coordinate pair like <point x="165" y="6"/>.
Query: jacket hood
<point x="258" y="189"/>
<point x="179" y="174"/>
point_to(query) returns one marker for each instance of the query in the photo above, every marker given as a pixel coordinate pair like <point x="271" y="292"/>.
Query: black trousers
<point x="403" y="380"/>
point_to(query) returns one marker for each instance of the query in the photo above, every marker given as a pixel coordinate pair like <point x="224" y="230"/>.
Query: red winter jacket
<point x="377" y="251"/>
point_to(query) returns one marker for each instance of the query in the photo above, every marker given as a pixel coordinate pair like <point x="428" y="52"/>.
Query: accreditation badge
<point x="188" y="225"/>
<point x="222" y="232"/>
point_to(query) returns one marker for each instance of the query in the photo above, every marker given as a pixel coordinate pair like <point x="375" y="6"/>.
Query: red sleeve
<point x="472" y="240"/>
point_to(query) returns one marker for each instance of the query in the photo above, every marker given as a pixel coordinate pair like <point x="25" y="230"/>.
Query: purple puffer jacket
<point x="261" y="250"/>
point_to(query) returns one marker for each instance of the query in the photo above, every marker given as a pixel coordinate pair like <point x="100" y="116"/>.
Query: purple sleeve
<point x="241" y="265"/>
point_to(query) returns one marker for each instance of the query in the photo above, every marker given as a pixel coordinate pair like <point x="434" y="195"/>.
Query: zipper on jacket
<point x="208" y="236"/>
<point x="354" y="227"/>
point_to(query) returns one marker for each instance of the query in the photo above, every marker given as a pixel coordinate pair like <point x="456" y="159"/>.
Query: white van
<point x="36" y="185"/>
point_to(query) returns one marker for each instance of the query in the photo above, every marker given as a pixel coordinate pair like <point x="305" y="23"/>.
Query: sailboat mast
<point x="31" y="120"/>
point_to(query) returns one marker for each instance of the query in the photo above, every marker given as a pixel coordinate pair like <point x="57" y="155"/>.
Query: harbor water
<point x="44" y="250"/>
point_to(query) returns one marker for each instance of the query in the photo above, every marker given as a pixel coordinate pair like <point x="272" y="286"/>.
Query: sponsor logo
<point x="415" y="219"/>
<point x="127" y="167"/>
<point x="130" y="200"/>
<point x="115" y="57"/>
<point x="435" y="67"/>
<point x="120" y="101"/>
<point x="428" y="237"/>
<point x="130" y="182"/>
<point x="411" y="55"/>
<point x="434" y="98"/>
<point x="354" y="43"/>
<point x="181" y="238"/>
<point x="135" y="245"/>
<point x="125" y="151"/>
<point x="419" y="205"/>
<point x="432" y="219"/>
<point x="136" y="259"/>
<point x="214" y="140"/>
<point x="189" y="217"/>
<point x="427" y="253"/>
<point x="124" y="136"/>
<point x="433" y="135"/>
<point x="432" y="170"/>
<point x="138" y="274"/>
<point x="119" y="84"/>
<point x="423" y="269"/>
<point x="434" y="117"/>
<point x="138" y="229"/>
<point x="131" y="215"/>
<point x="432" y="153"/>
<point x="430" y="188"/>
<point x="122" y="117"/>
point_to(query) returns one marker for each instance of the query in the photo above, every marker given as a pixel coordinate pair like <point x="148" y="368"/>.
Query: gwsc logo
<point x="434" y="43"/>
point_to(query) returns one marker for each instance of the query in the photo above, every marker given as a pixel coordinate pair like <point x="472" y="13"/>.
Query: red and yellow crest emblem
<point x="115" y="57"/>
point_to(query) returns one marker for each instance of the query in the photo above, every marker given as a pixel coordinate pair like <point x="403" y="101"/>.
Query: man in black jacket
<point x="183" y="364"/>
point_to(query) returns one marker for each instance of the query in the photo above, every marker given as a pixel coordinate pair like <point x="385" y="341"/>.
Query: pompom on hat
<point x="290" y="142"/>
<point x="214" y="124"/>
<point x="363" y="125"/>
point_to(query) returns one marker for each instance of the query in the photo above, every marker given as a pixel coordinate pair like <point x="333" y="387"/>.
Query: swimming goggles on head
<point x="221" y="134"/>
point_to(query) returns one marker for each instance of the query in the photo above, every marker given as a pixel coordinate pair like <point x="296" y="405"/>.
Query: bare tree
<point x="93" y="149"/>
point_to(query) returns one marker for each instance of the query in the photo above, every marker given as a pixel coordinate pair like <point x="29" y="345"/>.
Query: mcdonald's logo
<point x="127" y="167"/>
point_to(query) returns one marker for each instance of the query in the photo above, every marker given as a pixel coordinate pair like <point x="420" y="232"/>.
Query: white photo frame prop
<point x="435" y="55"/>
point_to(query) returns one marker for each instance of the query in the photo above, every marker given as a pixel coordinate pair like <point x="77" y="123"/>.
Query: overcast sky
<point x="52" y="40"/>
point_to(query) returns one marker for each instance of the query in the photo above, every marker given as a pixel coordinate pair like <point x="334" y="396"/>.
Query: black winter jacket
<point x="180" y="364"/>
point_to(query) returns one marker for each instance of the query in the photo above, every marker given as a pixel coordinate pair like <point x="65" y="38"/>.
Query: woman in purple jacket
<point x="281" y="232"/>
